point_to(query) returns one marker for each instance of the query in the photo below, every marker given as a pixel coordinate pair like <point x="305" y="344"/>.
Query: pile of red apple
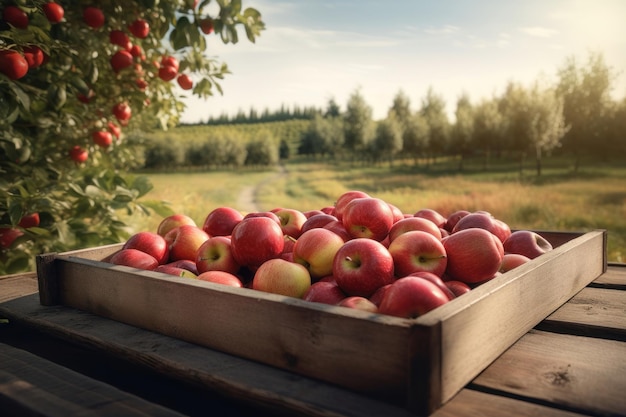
<point x="362" y="253"/>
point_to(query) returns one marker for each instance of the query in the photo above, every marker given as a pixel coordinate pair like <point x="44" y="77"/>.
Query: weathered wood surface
<point x="229" y="375"/>
<point x="595" y="312"/>
<point x="544" y="373"/>
<point x="473" y="403"/>
<point x="419" y="363"/>
<point x="32" y="386"/>
<point x="17" y="285"/>
<point x="582" y="374"/>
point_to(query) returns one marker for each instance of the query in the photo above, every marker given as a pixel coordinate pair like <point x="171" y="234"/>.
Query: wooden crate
<point x="417" y="363"/>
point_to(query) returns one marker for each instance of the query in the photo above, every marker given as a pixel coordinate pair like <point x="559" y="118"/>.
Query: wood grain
<point x="578" y="373"/>
<point x="614" y="277"/>
<point x="17" y="285"/>
<point x="595" y="312"/>
<point x="472" y="403"/>
<point x="32" y="386"/>
<point x="248" y="381"/>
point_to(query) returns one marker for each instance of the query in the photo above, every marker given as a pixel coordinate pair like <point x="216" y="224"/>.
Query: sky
<point x="316" y="50"/>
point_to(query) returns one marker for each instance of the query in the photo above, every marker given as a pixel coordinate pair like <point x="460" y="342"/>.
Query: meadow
<point x="560" y="199"/>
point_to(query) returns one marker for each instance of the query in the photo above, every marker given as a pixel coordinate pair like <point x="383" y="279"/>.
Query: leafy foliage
<point x="78" y="71"/>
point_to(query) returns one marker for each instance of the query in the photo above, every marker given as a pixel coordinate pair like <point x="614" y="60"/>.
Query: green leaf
<point x="93" y="191"/>
<point x="142" y="185"/>
<point x="22" y="97"/>
<point x="15" y="211"/>
<point x="57" y="95"/>
<point x="159" y="207"/>
<point x="80" y="85"/>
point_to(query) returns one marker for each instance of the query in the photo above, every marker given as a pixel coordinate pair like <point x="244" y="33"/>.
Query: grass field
<point x="594" y="197"/>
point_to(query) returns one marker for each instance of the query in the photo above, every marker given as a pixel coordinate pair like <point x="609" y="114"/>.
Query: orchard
<point x="361" y="253"/>
<point x="76" y="79"/>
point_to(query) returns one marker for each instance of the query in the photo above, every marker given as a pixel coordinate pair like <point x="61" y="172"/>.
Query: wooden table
<point x="56" y="361"/>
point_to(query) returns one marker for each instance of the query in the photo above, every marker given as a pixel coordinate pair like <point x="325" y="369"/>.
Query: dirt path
<point x="247" y="198"/>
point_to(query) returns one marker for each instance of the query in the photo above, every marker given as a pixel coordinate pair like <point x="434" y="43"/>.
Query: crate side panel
<point x="366" y="353"/>
<point x="424" y="383"/>
<point x="476" y="334"/>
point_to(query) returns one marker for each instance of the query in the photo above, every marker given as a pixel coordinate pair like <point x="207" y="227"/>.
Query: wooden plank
<point x="614" y="278"/>
<point x="595" y="312"/>
<point x="281" y="331"/>
<point x="577" y="373"/>
<point x="472" y="403"/>
<point x="234" y="377"/>
<point x="17" y="285"/>
<point x="30" y="385"/>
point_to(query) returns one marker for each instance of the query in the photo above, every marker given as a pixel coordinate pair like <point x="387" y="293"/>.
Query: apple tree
<point x="77" y="78"/>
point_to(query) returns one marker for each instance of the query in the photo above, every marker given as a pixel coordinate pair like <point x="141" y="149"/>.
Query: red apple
<point x="167" y="73"/>
<point x="454" y="218"/>
<point x="255" y="240"/>
<point x="78" y="154"/>
<point x="134" y="258"/>
<point x="316" y="250"/>
<point x="343" y="201"/>
<point x="368" y="217"/>
<point x="309" y="213"/>
<point x="188" y="264"/>
<point x="173" y="221"/>
<point x="150" y="243"/>
<point x="397" y="213"/>
<point x="418" y="251"/>
<point x="15" y="16"/>
<point x="140" y="28"/>
<point x="177" y="271"/>
<point x="512" y="260"/>
<point x="289" y="244"/>
<point x="288" y="256"/>
<point x="359" y="303"/>
<point x="457" y="287"/>
<point x="33" y="55"/>
<point x="411" y="297"/>
<point x="8" y="236"/>
<point x="215" y="254"/>
<point x="206" y="25"/>
<point x="279" y="276"/>
<point x="317" y="220"/>
<point x="291" y="221"/>
<point x="435" y="279"/>
<point x="337" y="227"/>
<point x="29" y="220"/>
<point x="325" y="292"/>
<point x="221" y="221"/>
<point x="485" y="221"/>
<point x="184" y="241"/>
<point x="221" y="277"/>
<point x="185" y="82"/>
<point x="409" y="224"/>
<point x="269" y="214"/>
<point x="93" y="17"/>
<point x="379" y="294"/>
<point x="474" y="255"/>
<point x="361" y="266"/>
<point x="432" y="215"/>
<point x="53" y="11"/>
<point x="527" y="243"/>
<point x="501" y="229"/>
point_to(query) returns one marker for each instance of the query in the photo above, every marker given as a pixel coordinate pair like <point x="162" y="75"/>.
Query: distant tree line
<point x="577" y="116"/>
<point x="252" y="116"/>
